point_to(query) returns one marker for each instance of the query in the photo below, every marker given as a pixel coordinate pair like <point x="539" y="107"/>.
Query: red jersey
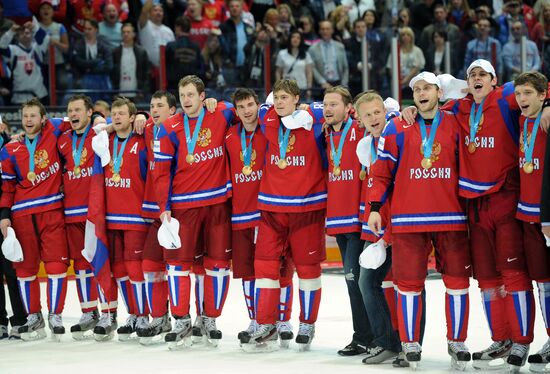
<point x="301" y="186"/>
<point x="123" y="199"/>
<point x="530" y="187"/>
<point x="150" y="208"/>
<point x="245" y="213"/>
<point x="200" y="30"/>
<point x="76" y="186"/>
<point x="423" y="200"/>
<point x="344" y="189"/>
<point x="484" y="171"/>
<point x="215" y="12"/>
<point x="42" y="194"/>
<point x="181" y="185"/>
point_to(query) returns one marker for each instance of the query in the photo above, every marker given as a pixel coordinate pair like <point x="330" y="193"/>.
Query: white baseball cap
<point x="11" y="248"/>
<point x="363" y="151"/>
<point x="168" y="234"/>
<point x="298" y="119"/>
<point x="481" y="63"/>
<point x="427" y="77"/>
<point x="391" y="105"/>
<point x="452" y="88"/>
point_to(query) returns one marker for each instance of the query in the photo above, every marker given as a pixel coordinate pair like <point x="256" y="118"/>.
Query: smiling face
<point x="480" y="83"/>
<point x="79" y="116"/>
<point x="335" y="110"/>
<point x="191" y="100"/>
<point x="372" y="115"/>
<point x="32" y="120"/>
<point x="247" y="111"/>
<point x="425" y="96"/>
<point x="529" y="99"/>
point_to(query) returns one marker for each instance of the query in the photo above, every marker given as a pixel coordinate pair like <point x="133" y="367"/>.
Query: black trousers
<point x="7" y="272"/>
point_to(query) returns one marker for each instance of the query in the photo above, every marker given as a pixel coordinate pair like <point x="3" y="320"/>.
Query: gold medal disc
<point x="31" y="176"/>
<point x="336" y="170"/>
<point x="471" y="147"/>
<point x="116" y="177"/>
<point x="76" y="171"/>
<point x="247" y="170"/>
<point x="426" y="163"/>
<point x="528" y="167"/>
<point x="282" y="163"/>
<point x="362" y="175"/>
<point x="190" y="158"/>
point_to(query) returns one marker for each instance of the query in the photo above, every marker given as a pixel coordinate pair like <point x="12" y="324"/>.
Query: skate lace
<point x="55" y="319"/>
<point x="252" y="327"/>
<point x="411" y="347"/>
<point x="86" y="317"/>
<point x="375" y="350"/>
<point x="182" y="324"/>
<point x="545" y="348"/>
<point x="457" y="346"/>
<point x="142" y="322"/>
<point x="33" y="318"/>
<point x="131" y="320"/>
<point x="496" y="346"/>
<point x="519" y="350"/>
<point x="104" y="320"/>
<point x="283" y="326"/>
<point x="209" y="323"/>
<point x="305" y="329"/>
<point x="156" y="322"/>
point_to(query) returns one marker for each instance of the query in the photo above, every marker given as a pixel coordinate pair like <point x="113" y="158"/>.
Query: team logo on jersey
<point x="210" y="13"/>
<point x="83" y="157"/>
<point x="521" y="145"/>
<point x="436" y="151"/>
<point x="41" y="159"/>
<point x="205" y="137"/>
<point x="291" y="142"/>
<point x="252" y="157"/>
<point x="480" y="126"/>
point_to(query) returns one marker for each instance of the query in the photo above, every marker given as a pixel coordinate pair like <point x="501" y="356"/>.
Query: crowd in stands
<point x="110" y="46"/>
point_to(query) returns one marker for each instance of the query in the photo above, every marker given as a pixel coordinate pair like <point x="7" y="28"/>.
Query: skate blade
<point x="264" y="347"/>
<point x="177" y="345"/>
<point x="127" y="337"/>
<point x="539" y="368"/>
<point x="197" y="340"/>
<point x="83" y="335"/>
<point x="104" y="338"/>
<point x="304" y="347"/>
<point x="284" y="343"/>
<point x="152" y="340"/>
<point x="458" y="365"/>
<point x="496" y="364"/>
<point x="400" y="363"/>
<point x="33" y="335"/>
<point x="56" y="337"/>
<point x="213" y="342"/>
<point x="413" y="365"/>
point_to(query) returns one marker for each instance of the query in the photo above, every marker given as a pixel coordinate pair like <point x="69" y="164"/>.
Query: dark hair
<point x="375" y="24"/>
<point x="87" y="100"/>
<point x="170" y="98"/>
<point x="302" y="48"/>
<point x="441" y="33"/>
<point x="184" y="23"/>
<point x="121" y="101"/>
<point x="534" y="78"/>
<point x="126" y="24"/>
<point x="243" y="93"/>
<point x="92" y="22"/>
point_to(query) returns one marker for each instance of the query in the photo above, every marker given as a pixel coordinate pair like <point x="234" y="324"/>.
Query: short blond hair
<point x="194" y="80"/>
<point x="287" y="85"/>
<point x="367" y="97"/>
<point x="121" y="101"/>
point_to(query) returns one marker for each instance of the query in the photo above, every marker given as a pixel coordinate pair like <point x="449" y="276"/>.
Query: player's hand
<point x="375" y="223"/>
<point x="545" y="119"/>
<point x="210" y="104"/>
<point x="303" y="106"/>
<point x="139" y="124"/>
<point x="166" y="214"/>
<point x="409" y="114"/>
<point x="4" y="224"/>
<point x="18" y="137"/>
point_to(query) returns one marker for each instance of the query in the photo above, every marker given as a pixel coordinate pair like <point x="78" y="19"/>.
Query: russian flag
<point x="95" y="238"/>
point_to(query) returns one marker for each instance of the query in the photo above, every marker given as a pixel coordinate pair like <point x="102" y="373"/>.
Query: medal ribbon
<point x="528" y="147"/>
<point x="337" y="155"/>
<point x="79" y="146"/>
<point x="373" y="153"/>
<point x="117" y="154"/>
<point x="192" y="142"/>
<point x="31" y="147"/>
<point x="363" y="167"/>
<point x="475" y="118"/>
<point x="247" y="150"/>
<point x="156" y="131"/>
<point x="428" y="140"/>
<point x="283" y="141"/>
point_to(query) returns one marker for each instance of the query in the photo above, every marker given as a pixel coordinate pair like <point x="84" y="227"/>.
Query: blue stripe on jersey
<point x="245" y="217"/>
<point x="34" y="203"/>
<point x="366" y="230"/>
<point x="529" y="209"/>
<point x="76" y="211"/>
<point x="292" y="200"/>
<point x="474" y="186"/>
<point x="510" y="118"/>
<point x="362" y="208"/>
<point x="342" y="221"/>
<point x="150" y="206"/>
<point x="126" y="219"/>
<point x="428" y="219"/>
<point x="203" y="194"/>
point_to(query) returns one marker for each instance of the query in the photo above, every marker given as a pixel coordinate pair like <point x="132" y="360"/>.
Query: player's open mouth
<point x="75" y="121"/>
<point x="478" y="86"/>
<point x="424" y="101"/>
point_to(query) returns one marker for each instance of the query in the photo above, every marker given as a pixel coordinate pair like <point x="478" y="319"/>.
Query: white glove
<point x="373" y="255"/>
<point x="100" y="145"/>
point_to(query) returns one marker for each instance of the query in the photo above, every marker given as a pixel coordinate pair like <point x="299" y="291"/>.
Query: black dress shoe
<point x="352" y="349"/>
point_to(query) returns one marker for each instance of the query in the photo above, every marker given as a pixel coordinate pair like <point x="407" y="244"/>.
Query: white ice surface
<point x="333" y="332"/>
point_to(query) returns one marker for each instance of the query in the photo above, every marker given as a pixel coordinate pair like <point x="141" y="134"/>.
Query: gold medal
<point x="190" y="158"/>
<point x="426" y="163"/>
<point x="471" y="147"/>
<point x="247" y="170"/>
<point x="282" y="163"/>
<point x="116" y="177"/>
<point x="528" y="167"/>
<point x="363" y="175"/>
<point x="31" y="176"/>
<point x="76" y="171"/>
<point x="336" y="170"/>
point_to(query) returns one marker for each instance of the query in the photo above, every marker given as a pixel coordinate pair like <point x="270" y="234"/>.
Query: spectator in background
<point x="411" y="60"/>
<point x="213" y="57"/>
<point x="511" y="54"/>
<point x="294" y="62"/>
<point x="5" y="24"/>
<point x="172" y="10"/>
<point x="321" y="9"/>
<point x="422" y="15"/>
<point x="353" y="54"/>
<point x="308" y="31"/>
<point x="152" y="33"/>
<point x="131" y="66"/>
<point x="340" y="23"/>
<point x="483" y="12"/>
<point x="286" y="20"/>
<point x="183" y="56"/>
<point x="436" y="54"/>
<point x="514" y="10"/>
<point x="377" y="55"/>
<point x="254" y="67"/>
<point x="93" y="62"/>
<point x="236" y="33"/>
<point x="81" y="10"/>
<point x="258" y="8"/>
<point x="24" y="58"/>
<point x="201" y="27"/>
<point x="59" y="38"/>
<point x="298" y="9"/>
<point x="329" y="59"/>
<point x="541" y="31"/>
<point x="440" y="24"/>
<point x="271" y="23"/>
<point x="111" y="28"/>
<point x="460" y="13"/>
<point x="357" y="8"/>
<point x="214" y="11"/>
<point x="483" y="46"/>
<point x="59" y="9"/>
<point x="5" y="82"/>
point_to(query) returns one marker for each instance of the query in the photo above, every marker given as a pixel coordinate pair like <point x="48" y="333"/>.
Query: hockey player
<point x="246" y="147"/>
<point x="75" y="148"/>
<point x="292" y="202"/>
<point x="31" y="174"/>
<point x="421" y="159"/>
<point x="530" y="90"/>
<point x="125" y="178"/>
<point x="192" y="183"/>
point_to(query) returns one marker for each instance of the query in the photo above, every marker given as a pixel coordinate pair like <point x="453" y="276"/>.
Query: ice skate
<point x="493" y="357"/>
<point x="3" y="332"/>
<point x="460" y="355"/>
<point x="378" y="355"/>
<point x="142" y="324"/>
<point x="306" y="332"/>
<point x="353" y="349"/>
<point x="264" y="339"/>
<point x="284" y="329"/>
<point x="212" y="333"/>
<point x="199" y="333"/>
<point x="106" y="327"/>
<point x="125" y="331"/>
<point x="156" y="331"/>
<point x="86" y="324"/>
<point x="14" y="333"/>
<point x="251" y="329"/>
<point x="55" y="323"/>
<point x="34" y="328"/>
<point x="517" y="357"/>
<point x="540" y="361"/>
<point x="400" y="361"/>
<point x="181" y="333"/>
<point x="413" y="353"/>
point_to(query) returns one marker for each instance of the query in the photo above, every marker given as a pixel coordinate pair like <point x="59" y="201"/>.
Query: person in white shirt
<point x="152" y="33"/>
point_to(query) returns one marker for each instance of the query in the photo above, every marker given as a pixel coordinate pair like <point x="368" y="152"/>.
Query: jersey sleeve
<point x="165" y="166"/>
<point x="9" y="179"/>
<point x="57" y="125"/>
<point x="384" y="168"/>
<point x="545" y="193"/>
